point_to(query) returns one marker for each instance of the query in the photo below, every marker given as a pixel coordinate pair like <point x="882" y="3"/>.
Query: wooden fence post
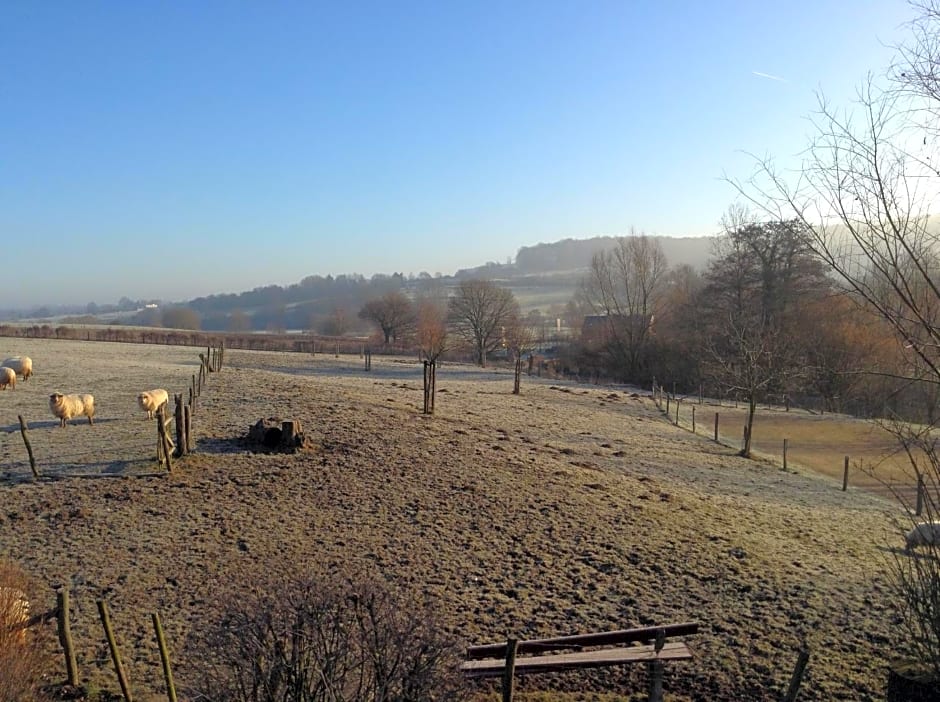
<point x="164" y="657"/>
<point x="667" y="404"/>
<point x="65" y="637"/>
<point x="180" y="425"/>
<point x="510" y="670"/>
<point x="797" y="677"/>
<point x="693" y="419"/>
<point x="115" y="654"/>
<point x="677" y="411"/>
<point x="29" y="446"/>
<point x="716" y="426"/>
<point x="845" y="475"/>
<point x="785" y="445"/>
<point x="656" y="680"/>
<point x="188" y="423"/>
<point x="165" y="445"/>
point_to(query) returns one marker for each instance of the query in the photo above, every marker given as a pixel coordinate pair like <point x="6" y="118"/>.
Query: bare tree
<point x="625" y="285"/>
<point x="479" y="311"/>
<point x="521" y="339"/>
<point x="863" y="196"/>
<point x="431" y="338"/>
<point x="392" y="313"/>
<point x="337" y="323"/>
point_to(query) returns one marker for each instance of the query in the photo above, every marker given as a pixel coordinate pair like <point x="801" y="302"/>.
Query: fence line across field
<point x="210" y="362"/>
<point x="681" y="412"/>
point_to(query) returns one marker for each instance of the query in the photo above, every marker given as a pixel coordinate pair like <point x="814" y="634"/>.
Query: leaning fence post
<point x="510" y="670"/>
<point x="797" y="678"/>
<point x="164" y="657"/>
<point x="65" y="637"/>
<point x="115" y="654"/>
<point x="164" y="439"/>
<point x="29" y="446"/>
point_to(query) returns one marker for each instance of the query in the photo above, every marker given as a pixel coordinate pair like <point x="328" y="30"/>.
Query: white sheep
<point x="67" y="406"/>
<point x="151" y="400"/>
<point x="923" y="534"/>
<point x="14" y="613"/>
<point x="21" y="365"/>
<point x="7" y="377"/>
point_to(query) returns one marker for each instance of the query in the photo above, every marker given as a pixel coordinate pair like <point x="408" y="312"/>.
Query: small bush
<point x="22" y="653"/>
<point x="329" y="639"/>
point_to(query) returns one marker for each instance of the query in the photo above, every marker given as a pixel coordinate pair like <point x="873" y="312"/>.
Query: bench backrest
<point x="579" y="641"/>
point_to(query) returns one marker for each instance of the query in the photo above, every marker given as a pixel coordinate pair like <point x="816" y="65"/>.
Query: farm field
<point x="816" y="442"/>
<point x="565" y="509"/>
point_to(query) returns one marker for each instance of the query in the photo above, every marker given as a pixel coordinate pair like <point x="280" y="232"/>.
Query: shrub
<point x="329" y="639"/>
<point x="23" y="657"/>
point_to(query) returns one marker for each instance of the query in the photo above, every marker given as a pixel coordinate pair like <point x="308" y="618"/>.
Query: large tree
<point x="863" y="197"/>
<point x="625" y="286"/>
<point x="392" y="313"/>
<point x="756" y="285"/>
<point x="480" y="310"/>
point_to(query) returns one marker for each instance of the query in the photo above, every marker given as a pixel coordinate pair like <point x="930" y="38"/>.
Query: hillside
<point x="564" y="509"/>
<point x="543" y="277"/>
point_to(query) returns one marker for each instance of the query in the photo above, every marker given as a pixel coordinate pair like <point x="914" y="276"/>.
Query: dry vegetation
<point x="561" y="510"/>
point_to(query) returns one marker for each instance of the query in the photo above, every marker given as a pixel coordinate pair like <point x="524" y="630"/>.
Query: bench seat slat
<point x="674" y="650"/>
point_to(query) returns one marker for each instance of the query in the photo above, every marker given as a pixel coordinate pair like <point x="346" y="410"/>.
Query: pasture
<point x="568" y="508"/>
<point x="816" y="442"/>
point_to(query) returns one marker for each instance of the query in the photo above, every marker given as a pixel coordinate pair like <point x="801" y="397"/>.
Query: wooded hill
<point x="543" y="276"/>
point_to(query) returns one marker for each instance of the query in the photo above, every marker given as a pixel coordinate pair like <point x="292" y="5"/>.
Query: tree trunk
<point x="751" y="407"/>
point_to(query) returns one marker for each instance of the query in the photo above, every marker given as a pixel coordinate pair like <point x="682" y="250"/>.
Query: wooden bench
<point x="648" y="645"/>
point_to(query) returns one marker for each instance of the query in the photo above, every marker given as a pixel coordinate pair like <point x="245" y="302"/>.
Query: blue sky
<point x="177" y="149"/>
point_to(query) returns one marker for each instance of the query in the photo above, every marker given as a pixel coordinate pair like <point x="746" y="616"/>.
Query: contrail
<point x="767" y="75"/>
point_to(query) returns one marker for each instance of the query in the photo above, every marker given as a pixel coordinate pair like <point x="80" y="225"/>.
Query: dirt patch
<point x="534" y="515"/>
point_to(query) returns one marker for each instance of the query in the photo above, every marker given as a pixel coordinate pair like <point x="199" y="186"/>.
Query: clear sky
<point x="176" y="149"/>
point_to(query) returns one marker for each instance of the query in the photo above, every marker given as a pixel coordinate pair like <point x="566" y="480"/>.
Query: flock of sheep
<point x="67" y="407"/>
<point x="14" y="606"/>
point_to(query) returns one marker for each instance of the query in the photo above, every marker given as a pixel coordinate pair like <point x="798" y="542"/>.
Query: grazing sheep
<point x="150" y="401"/>
<point x="67" y="406"/>
<point x="14" y="612"/>
<point x="923" y="534"/>
<point x="21" y="365"/>
<point x="7" y="377"/>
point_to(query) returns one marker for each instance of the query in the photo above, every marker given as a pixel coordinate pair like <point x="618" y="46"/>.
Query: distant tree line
<point x="766" y="320"/>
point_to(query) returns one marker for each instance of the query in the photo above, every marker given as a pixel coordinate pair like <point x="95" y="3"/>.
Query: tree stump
<point x="276" y="435"/>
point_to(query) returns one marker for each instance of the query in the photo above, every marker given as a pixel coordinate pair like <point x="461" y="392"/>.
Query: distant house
<point x="597" y="329"/>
